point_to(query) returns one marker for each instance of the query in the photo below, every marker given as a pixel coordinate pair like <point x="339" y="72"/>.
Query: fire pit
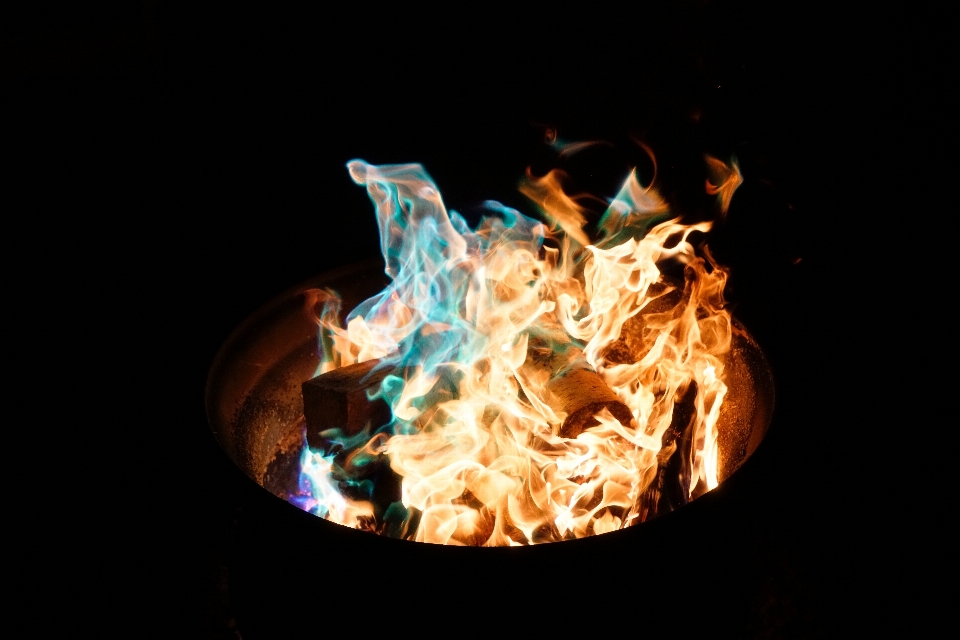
<point x="257" y="399"/>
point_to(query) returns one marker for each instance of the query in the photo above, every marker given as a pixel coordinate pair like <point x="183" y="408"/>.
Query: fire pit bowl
<point x="287" y="559"/>
<point x="254" y="399"/>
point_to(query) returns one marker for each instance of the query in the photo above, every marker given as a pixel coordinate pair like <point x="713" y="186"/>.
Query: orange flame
<point x="724" y="180"/>
<point x="556" y="205"/>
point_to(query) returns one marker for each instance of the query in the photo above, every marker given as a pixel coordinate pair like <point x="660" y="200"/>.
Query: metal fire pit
<point x="295" y="573"/>
<point x="253" y="391"/>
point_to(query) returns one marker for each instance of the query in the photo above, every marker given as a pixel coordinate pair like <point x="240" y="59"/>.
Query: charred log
<point x="338" y="400"/>
<point x="635" y="339"/>
<point x="670" y="488"/>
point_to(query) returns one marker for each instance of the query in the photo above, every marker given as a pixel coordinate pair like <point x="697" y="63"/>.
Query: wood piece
<point x="338" y="399"/>
<point x="632" y="345"/>
<point x="671" y="487"/>
<point x="577" y="389"/>
<point x="582" y="394"/>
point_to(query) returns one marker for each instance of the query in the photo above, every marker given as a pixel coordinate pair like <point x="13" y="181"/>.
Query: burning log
<point x="338" y="399"/>
<point x="671" y="487"/>
<point x="578" y="390"/>
<point x="633" y="343"/>
<point x="583" y="394"/>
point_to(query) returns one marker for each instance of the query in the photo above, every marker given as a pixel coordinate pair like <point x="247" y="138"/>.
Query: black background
<point x="174" y="166"/>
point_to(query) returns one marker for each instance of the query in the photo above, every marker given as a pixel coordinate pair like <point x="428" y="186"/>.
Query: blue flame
<point x="430" y="255"/>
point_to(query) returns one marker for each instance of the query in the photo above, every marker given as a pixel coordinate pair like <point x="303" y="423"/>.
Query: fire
<point x="495" y="336"/>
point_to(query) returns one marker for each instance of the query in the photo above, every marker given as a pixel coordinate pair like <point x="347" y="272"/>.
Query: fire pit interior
<point x="618" y="431"/>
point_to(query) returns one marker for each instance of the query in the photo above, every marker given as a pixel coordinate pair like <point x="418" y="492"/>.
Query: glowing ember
<point x="494" y="337"/>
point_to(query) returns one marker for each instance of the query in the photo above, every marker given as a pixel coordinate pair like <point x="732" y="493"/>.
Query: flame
<point x="321" y="496"/>
<point x="724" y="180"/>
<point x="486" y="331"/>
<point x="556" y="205"/>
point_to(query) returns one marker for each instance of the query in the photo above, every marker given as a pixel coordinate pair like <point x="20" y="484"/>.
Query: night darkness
<point x="189" y="164"/>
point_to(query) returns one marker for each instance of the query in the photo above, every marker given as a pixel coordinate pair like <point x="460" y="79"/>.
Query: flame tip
<point x="358" y="170"/>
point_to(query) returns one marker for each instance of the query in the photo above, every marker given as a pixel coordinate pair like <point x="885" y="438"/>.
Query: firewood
<point x="577" y="389"/>
<point x="670" y="488"/>
<point x="582" y="394"/>
<point x="632" y="344"/>
<point x="338" y="399"/>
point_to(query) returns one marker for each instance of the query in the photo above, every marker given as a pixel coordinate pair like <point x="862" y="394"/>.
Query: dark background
<point x="172" y="166"/>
